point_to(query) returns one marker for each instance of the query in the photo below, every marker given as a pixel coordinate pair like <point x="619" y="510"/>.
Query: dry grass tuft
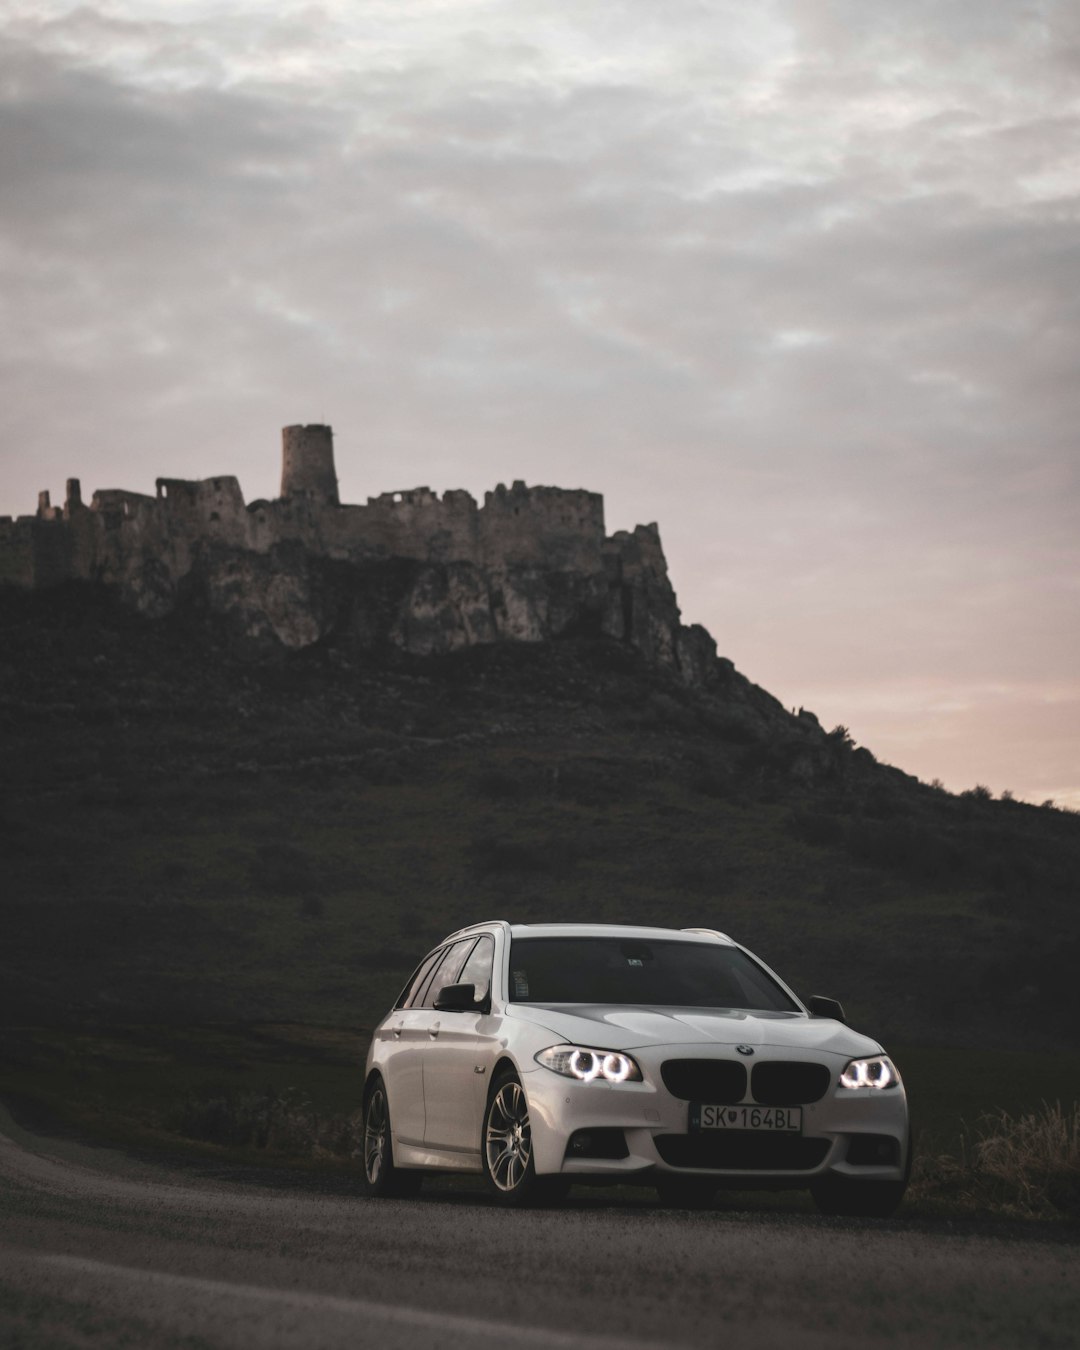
<point x="1025" y="1166"/>
<point x="281" y="1122"/>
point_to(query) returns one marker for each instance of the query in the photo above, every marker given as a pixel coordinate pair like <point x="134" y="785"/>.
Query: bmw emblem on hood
<point x="745" y="1049"/>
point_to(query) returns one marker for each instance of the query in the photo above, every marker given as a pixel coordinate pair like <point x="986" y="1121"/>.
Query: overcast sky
<point x="797" y="279"/>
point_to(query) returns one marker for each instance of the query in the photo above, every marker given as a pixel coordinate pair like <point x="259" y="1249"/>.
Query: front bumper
<point x="866" y="1122"/>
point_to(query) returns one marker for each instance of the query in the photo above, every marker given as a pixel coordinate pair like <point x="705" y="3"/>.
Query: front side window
<point x="447" y="970"/>
<point x="646" y="973"/>
<point x="477" y="969"/>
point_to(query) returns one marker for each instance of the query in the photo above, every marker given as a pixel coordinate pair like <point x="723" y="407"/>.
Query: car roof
<point x="612" y="930"/>
<point x="618" y="930"/>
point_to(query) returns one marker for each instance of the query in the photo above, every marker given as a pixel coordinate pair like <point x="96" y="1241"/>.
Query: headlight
<point x="879" y="1072"/>
<point x="576" y="1061"/>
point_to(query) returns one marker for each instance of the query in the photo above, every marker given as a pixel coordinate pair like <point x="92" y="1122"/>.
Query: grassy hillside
<point x="192" y="834"/>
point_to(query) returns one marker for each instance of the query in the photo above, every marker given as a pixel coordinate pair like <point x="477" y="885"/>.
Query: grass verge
<point x="289" y="1095"/>
<point x="263" y="1092"/>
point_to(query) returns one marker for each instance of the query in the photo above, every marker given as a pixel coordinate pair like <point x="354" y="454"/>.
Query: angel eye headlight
<point x="584" y="1064"/>
<point x="578" y="1061"/>
<point x="878" y="1072"/>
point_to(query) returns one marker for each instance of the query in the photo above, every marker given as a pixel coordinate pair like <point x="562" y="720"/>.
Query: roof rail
<point x="483" y="923"/>
<point x="710" y="932"/>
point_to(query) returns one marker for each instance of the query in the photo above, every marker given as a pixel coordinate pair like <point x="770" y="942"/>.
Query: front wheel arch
<point x="505" y="1065"/>
<point x="506" y="1155"/>
<point x="369" y="1083"/>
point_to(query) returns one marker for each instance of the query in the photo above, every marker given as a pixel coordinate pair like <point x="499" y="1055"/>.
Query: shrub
<point x="665" y="711"/>
<point x="496" y="856"/>
<point x="731" y="726"/>
<point x="910" y="847"/>
<point x="505" y="784"/>
<point x="284" y="1122"/>
<point x="1037" y="1156"/>
<point x="712" y="783"/>
<point x="1025" y="1166"/>
<point x="599" y="782"/>
<point x="884" y="803"/>
<point x="816" y="827"/>
<point x="283" y="869"/>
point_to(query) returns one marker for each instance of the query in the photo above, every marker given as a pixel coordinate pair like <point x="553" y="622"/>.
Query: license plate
<point x="767" y="1119"/>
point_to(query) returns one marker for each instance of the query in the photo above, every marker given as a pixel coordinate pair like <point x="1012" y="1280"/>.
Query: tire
<point x="856" y="1199"/>
<point x="506" y="1149"/>
<point x="382" y="1178"/>
<point x="685" y="1192"/>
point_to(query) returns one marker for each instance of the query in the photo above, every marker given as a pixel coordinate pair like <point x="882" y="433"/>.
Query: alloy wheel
<point x="507" y="1139"/>
<point x="375" y="1127"/>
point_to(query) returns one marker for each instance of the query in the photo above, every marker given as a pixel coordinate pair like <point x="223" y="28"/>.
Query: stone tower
<point x="307" y="464"/>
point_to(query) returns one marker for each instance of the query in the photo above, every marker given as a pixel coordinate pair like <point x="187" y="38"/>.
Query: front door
<point x="458" y="1062"/>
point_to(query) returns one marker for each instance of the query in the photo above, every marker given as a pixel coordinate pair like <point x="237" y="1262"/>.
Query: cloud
<point x="794" y="279"/>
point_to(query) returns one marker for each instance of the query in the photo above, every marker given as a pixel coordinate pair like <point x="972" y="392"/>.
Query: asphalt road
<point x="97" y="1249"/>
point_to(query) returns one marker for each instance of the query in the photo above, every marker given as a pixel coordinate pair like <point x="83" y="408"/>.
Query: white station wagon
<point x="544" y="1054"/>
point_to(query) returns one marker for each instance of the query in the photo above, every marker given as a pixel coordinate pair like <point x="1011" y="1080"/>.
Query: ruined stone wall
<point x="115" y="507"/>
<point x="41" y="551"/>
<point x="530" y="564"/>
<point x="555" y="528"/>
<point x="17" y="552"/>
<point x="211" y="509"/>
<point x="415" y="524"/>
<point x="420" y="524"/>
<point x="526" y="566"/>
<point x="52" y="552"/>
<point x="546" y="527"/>
<point x="136" y="550"/>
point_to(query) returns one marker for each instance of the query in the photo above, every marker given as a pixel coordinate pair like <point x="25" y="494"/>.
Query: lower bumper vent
<point x="737" y="1151"/>
<point x="873" y="1150"/>
<point x="604" y="1143"/>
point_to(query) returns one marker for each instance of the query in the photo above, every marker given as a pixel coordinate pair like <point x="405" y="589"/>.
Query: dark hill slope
<point x="193" y="833"/>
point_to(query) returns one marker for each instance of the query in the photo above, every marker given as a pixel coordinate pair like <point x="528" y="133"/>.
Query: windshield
<point x="640" y="973"/>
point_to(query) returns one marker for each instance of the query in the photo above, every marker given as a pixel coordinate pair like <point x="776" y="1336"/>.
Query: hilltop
<point x="261" y="755"/>
<point x="200" y="828"/>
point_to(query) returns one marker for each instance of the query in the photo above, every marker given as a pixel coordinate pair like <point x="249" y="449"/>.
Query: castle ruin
<point x="422" y="572"/>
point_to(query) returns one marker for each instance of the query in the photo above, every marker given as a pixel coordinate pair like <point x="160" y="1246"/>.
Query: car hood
<point x="622" y="1028"/>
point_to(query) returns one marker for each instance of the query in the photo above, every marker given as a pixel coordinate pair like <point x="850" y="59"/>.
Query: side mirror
<point x="825" y="1007"/>
<point x="456" y="998"/>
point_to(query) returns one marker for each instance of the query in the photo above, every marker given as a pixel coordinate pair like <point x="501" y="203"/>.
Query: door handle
<point x="433" y="1031"/>
<point x="398" y="1030"/>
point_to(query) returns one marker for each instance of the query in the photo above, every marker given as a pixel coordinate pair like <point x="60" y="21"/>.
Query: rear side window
<point x="419" y="975"/>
